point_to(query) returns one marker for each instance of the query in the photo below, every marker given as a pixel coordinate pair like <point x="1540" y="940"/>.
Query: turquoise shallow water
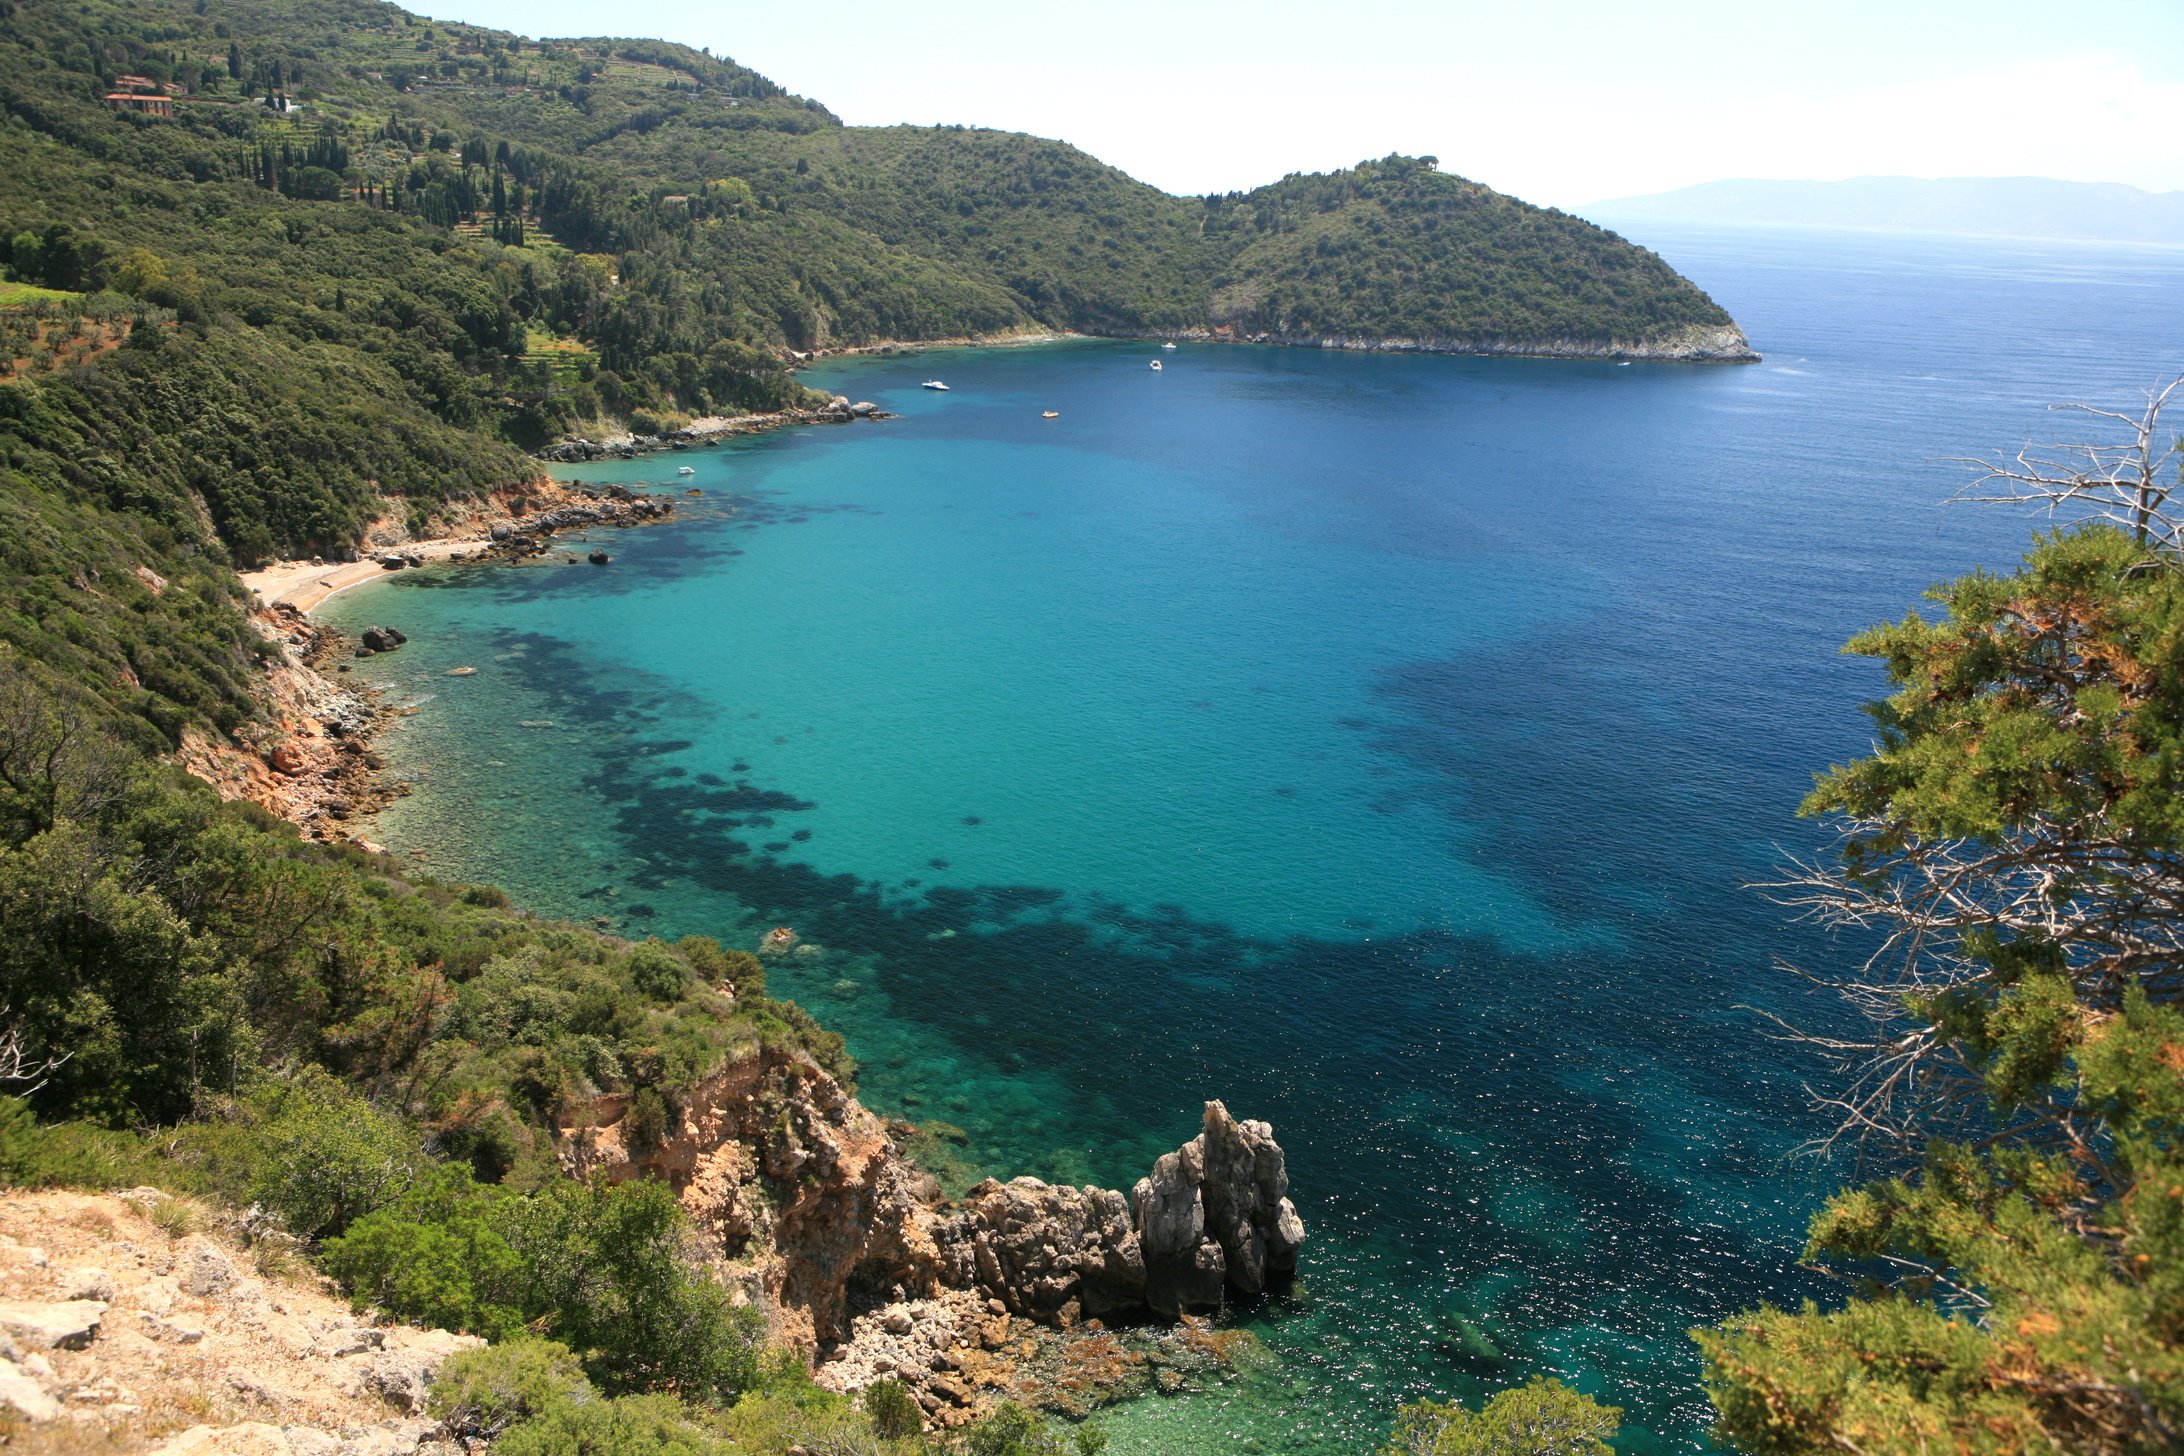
<point x="1380" y="744"/>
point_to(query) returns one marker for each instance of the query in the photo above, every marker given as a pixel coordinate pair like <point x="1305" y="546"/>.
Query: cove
<point x="1383" y="745"/>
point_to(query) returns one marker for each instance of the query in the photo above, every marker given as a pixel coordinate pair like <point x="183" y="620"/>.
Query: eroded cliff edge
<point x="808" y="1202"/>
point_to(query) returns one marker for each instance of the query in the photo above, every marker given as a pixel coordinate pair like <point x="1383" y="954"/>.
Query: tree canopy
<point x="2016" y="840"/>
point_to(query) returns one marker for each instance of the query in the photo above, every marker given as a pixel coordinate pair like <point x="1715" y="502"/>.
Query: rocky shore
<point x="1061" y="1296"/>
<point x="839" y="410"/>
<point x="809" y="1202"/>
<point x="311" y="759"/>
<point x="1695" y="344"/>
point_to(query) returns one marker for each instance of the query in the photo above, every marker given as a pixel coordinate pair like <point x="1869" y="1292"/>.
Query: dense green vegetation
<point x="2018" y="833"/>
<point x="366" y="280"/>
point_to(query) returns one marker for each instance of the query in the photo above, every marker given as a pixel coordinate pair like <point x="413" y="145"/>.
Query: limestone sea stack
<point x="1215" y="1215"/>
<point x="1212" y="1218"/>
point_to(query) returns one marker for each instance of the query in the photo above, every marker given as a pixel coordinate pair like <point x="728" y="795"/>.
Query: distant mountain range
<point x="2038" y="207"/>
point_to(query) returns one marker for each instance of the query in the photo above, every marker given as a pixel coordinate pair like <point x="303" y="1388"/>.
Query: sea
<point x="1387" y="746"/>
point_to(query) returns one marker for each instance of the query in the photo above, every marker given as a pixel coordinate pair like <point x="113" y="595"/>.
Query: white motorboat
<point x="686" y="470"/>
<point x="1156" y="363"/>
<point x="935" y="384"/>
<point x="1169" y="345"/>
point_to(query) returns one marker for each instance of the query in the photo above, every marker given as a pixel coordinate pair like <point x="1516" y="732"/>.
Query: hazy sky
<point x="1560" y="103"/>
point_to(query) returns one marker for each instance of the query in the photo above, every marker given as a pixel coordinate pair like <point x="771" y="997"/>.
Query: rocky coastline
<point x="1020" y="1290"/>
<point x="311" y="758"/>
<point x="1057" y="1296"/>
<point x="1694" y="344"/>
<point x="839" y="410"/>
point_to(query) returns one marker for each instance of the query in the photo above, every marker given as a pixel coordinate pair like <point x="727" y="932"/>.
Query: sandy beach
<point x="305" y="585"/>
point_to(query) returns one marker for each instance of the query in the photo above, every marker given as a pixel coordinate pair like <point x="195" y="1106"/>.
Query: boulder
<point x="1036" y="1248"/>
<point x="87" y="1283"/>
<point x="205" y="1270"/>
<point x="402" y="1380"/>
<point x="25" y="1396"/>
<point x="67" y="1324"/>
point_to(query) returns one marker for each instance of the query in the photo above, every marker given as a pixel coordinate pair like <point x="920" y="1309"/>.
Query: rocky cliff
<point x="807" y="1198"/>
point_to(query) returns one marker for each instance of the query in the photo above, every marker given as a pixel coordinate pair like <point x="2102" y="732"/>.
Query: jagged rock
<point x="160" y="1328"/>
<point x="1215" y="1214"/>
<point x="1036" y="1247"/>
<point x="1184" y="1269"/>
<point x="1245" y="1191"/>
<point x="382" y="639"/>
<point x="68" y="1324"/>
<point x="403" y="1382"/>
<point x="87" y="1283"/>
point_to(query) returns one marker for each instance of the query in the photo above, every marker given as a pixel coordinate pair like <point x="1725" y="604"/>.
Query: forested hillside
<point x="411" y="234"/>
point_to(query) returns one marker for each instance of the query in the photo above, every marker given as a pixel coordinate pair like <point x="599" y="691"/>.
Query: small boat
<point x="935" y="384"/>
<point x="1169" y="345"/>
<point x="1050" y="414"/>
<point x="1156" y="364"/>
<point x="686" y="470"/>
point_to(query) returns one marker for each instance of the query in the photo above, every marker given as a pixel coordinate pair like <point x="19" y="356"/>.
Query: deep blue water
<point x="1380" y="744"/>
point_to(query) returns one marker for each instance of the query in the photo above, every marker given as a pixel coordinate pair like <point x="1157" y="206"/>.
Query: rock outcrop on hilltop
<point x="806" y="1196"/>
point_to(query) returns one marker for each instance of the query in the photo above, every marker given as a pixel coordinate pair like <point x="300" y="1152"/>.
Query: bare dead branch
<point x="2129" y="483"/>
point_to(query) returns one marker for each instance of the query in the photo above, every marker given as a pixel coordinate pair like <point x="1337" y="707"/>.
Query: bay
<point x="1384" y="745"/>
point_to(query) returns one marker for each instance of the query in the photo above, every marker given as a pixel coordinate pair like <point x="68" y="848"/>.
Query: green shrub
<point x="1013" y="1430"/>
<point x="482" y="1393"/>
<point x="1541" y="1418"/>
<point x="741" y="971"/>
<point x="613" y="1271"/>
<point x="436" y="1256"/>
<point x="327" y="1157"/>
<point x="892" y="1410"/>
<point x="75" y="1154"/>
<point x="646" y="1125"/>
<point x="657" y="971"/>
<point x="634" y="1425"/>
